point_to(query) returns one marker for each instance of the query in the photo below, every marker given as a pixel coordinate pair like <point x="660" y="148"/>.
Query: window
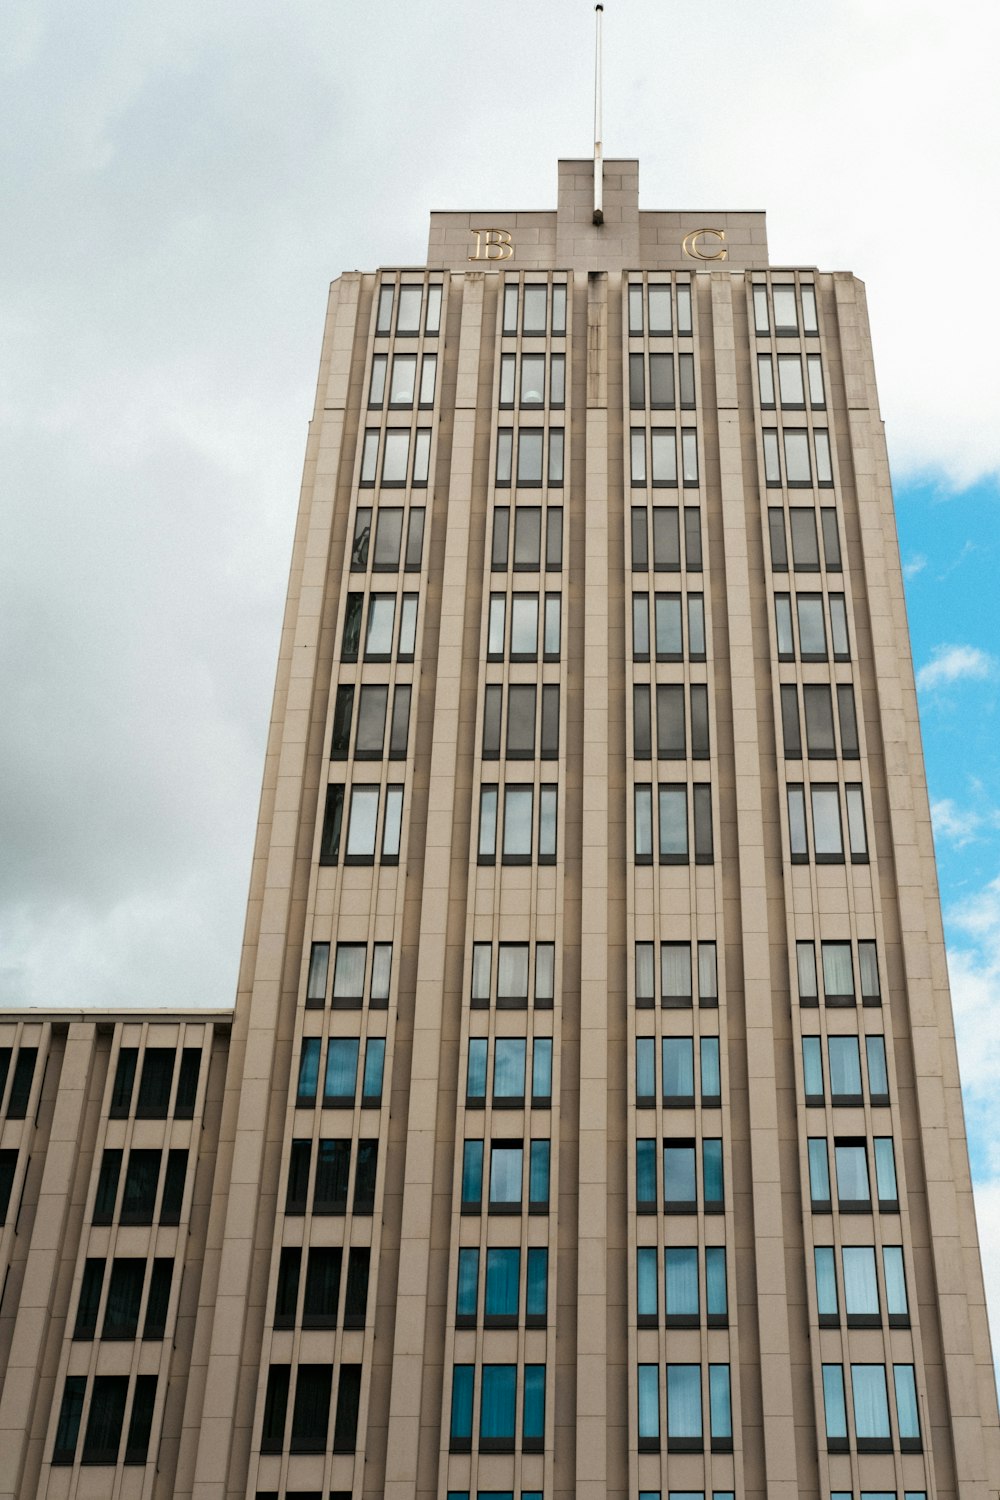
<point x="497" y="1408"/>
<point x="676" y="822"/>
<point x="519" y="825"/>
<point x="70" y="1413"/>
<point x="503" y="1276"/>
<point x="322" y="1289"/>
<point x="20" y="1088"/>
<point x="512" y="982"/>
<point x="102" y="1440"/>
<point x="345" y="1426"/>
<point x="827" y="825"/>
<point x="141" y="1421"/>
<point x="173" y="1187"/>
<point x="506" y="1173"/>
<point x="684" y="1415"/>
<point x="461" y="1408"/>
<point x="678" y="1071"/>
<point x="311" y="1412"/>
<point x="141" y="1179"/>
<point x="287" y="1294"/>
<point x="363" y="825"/>
<point x="90" y="1297"/>
<point x="648" y="1404"/>
<point x="835" y="1408"/>
<point x="467" y="1287"/>
<point x="682" y="1293"/>
<point x="871" y="1408"/>
<point x="472" y="1176"/>
<point x="672" y="721"/>
<point x="121" y="1314"/>
<point x="275" y="1408"/>
<point x="340" y="1085"/>
<point x="8" y="1166"/>
<point x="819" y="1174"/>
<point x="107" y="1186"/>
<point x="187" y="1083"/>
<point x="121" y="1093"/>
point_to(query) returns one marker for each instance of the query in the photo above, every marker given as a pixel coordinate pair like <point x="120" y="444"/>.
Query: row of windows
<point x="498" y="1405"/>
<point x="387" y="552"/>
<point x="351" y="970"/>
<point x="373" y="712"/>
<point x="494" y="1494"/>
<point x="822" y="811"/>
<point x="123" y="1305"/>
<point x="340" y="1080"/>
<point x="511" y="983"/>
<point x="651" y="308"/>
<point x="678" y="627"/>
<point x="331" y="1185"/>
<point x="20" y="1081"/>
<point x="672" y="720"/>
<point x="791" y="388"/>
<point x="690" y="1390"/>
<point x="525" y="836"/>
<point x="687" y="1495"/>
<point x="665" y="545"/>
<point x="320" y="1287"/>
<point x="528" y="532"/>
<point x="859" y="1283"/>
<point x="8" y="1167"/>
<point x="403" y="387"/>
<point x="680" y="1180"/>
<point x="532" y="721"/>
<point x="793" y="534"/>
<point x="109" y="1399"/>
<point x="532" y="468"/>
<point x="837" y="966"/>
<point x="799" y="467"/>
<point x="677" y="1072"/>
<point x="510" y="1065"/>
<point x="668" y="385"/>
<point x="786" y="320"/>
<point x="311" y="1409"/>
<point x="817" y="718"/>
<point x="676" y="975"/>
<point x="513" y="623"/>
<point x="531" y="392"/>
<point x="692" y="1279"/>
<point x="533" y="302"/>
<point x="367" y="831"/>
<point x="144" y="1172"/>
<point x="504" y="1296"/>
<point x="655" y="460"/>
<point x="870" y="1409"/>
<point x="410" y="300"/>
<point x="156" y="1083"/>
<point x="506" y="1176"/>
<point x="683" y="824"/>
<point x="390" y="627"/>
<point x="810" y="629"/>
<point x="405" y="457"/>
<point x="843" y="1057"/>
<point x="851" y="1157"/>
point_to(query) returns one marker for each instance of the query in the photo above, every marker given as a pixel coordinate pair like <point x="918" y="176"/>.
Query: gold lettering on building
<point x="493" y="244"/>
<point x="694" y="251"/>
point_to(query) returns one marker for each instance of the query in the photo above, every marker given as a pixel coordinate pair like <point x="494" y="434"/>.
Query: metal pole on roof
<point x="598" y="127"/>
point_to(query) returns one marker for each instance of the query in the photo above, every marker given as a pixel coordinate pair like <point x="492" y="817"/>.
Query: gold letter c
<point x="692" y="249"/>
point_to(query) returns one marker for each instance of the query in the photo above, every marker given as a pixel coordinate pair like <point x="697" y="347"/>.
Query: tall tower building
<point x="588" y="1123"/>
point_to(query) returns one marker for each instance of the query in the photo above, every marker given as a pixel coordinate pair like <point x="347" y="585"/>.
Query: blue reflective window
<point x="308" y="1070"/>
<point x="645" y="1068"/>
<point x="680" y="1275"/>
<point x="533" y="1415"/>
<point x="497" y="1406"/>
<point x="649" y="1402"/>
<point x="711" y="1161"/>
<point x="907" y="1414"/>
<point x="503" y="1276"/>
<point x="678" y="1069"/>
<point x="716" y="1297"/>
<point x="541" y="1069"/>
<point x="871" y="1403"/>
<point x="467" y="1295"/>
<point x="812" y="1067"/>
<point x="684" y="1402"/>
<point x="826" y="1281"/>
<point x="341" y="1068"/>
<point x="461" y="1404"/>
<point x="475" y="1087"/>
<point x="720" y="1403"/>
<point x="679" y="1186"/>
<point x="538" y="1175"/>
<point x="834" y="1406"/>
<point x="537" y="1295"/>
<point x="371" y="1088"/>
<point x="645" y="1173"/>
<point x="646" y="1281"/>
<point x="472" y="1173"/>
<point x="711" y="1075"/>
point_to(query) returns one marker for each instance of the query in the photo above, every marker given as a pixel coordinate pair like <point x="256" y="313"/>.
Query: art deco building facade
<point x="588" y="1123"/>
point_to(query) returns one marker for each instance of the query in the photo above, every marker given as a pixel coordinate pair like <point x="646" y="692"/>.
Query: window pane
<point x="805" y="961"/>
<point x="461" y="1400"/>
<point x="860" y="1285"/>
<point x="508" y="1067"/>
<point x="856" y="831"/>
<point x="812" y="634"/>
<point x="664" y="455"/>
<point x="467" y="1283"/>
<point x="553" y="538"/>
<point x="524" y="626"/>
<point x="556" y="450"/>
<point x="488" y="822"/>
<point x="403" y="384"/>
<point x="532" y="379"/>
<point x="635" y="309"/>
<point x="659" y="310"/>
<point x="812" y="1067"/>
<point x="720" y="1403"/>
<point x="871" y="1402"/>
<point x="646" y="1282"/>
<point x="772" y="466"/>
<point x="640" y="627"/>
<point x="845" y="1067"/>
<point x="680" y="1277"/>
<point x="538" y="1173"/>
<point x="671" y="738"/>
<point x="765" y="379"/>
<point x="907" y="1416"/>
<point x="529" y="455"/>
<point x="395" y="455"/>
<point x="824" y="463"/>
<point x="797" y="467"/>
<point x="535" y="309"/>
<point x="776" y="533"/>
<point x="510" y="294"/>
<point x="384" y="321"/>
<point x="643" y="822"/>
<point x="783" y="625"/>
<point x="644" y="972"/>
<point x="520" y="720"/>
<point x="505" y="451"/>
<point x="696" y="627"/>
<point x="666" y="539"/>
<point x="678" y="1069"/>
<point x="885" y="1169"/>
<point x="711" y="1165"/>
<point x="833" y="1403"/>
<point x="790" y="380"/>
<point x="472" y="1172"/>
<point x="838" y="971"/>
<point x="716" y="1299"/>
<point x="308" y="1070"/>
<point x="838" y="627"/>
<point x="826" y="1282"/>
<point x="848" y="720"/>
<point x="785" y="318"/>
<point x="686" y="367"/>
<point x="363" y="820"/>
<point x="708" y="979"/>
<point x="512" y="972"/>
<point x="641" y="728"/>
<point x="533" y="1416"/>
<point x="559" y="307"/>
<point x="819" y="1171"/>
<point x="852" y="1173"/>
<point x="371" y="722"/>
<point x="895" y="1281"/>
<point x="645" y="1068"/>
<point x="557" y="380"/>
<point x="341" y="1068"/>
<point x="673" y="823"/>
<point x="638" y="452"/>
<point x="678" y="1174"/>
<point x="761" y="319"/>
<point x="408" y="316"/>
<point x="645" y="1173"/>
<point x="503" y="1277"/>
<point x="388" y="538"/>
<point x="505" y="1173"/>
<point x="684" y="1401"/>
<point x="381" y="973"/>
<point x="675" y="972"/>
<point x="689" y="455"/>
<point x="661" y="379"/>
<point x="809" y="320"/>
<point x="541" y="1069"/>
<point x="798" y="843"/>
<point x="517" y="819"/>
<point x="683" y="308"/>
<point x="805" y="544"/>
<point x="545" y="969"/>
<point x="649" y="1402"/>
<point x="669" y="638"/>
<point x="790" y="731"/>
<point x="827" y="836"/>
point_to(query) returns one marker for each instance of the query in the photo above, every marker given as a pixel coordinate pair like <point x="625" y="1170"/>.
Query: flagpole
<point x="598" y="126"/>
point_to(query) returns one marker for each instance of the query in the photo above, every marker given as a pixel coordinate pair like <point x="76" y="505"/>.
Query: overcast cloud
<point x="180" y="184"/>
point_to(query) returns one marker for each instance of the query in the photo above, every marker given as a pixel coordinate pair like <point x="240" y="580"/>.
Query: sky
<point x="178" y="186"/>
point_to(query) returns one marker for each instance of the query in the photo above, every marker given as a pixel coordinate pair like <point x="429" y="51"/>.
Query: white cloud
<point x="958" y="825"/>
<point x="915" y="565"/>
<point x="950" y="664"/>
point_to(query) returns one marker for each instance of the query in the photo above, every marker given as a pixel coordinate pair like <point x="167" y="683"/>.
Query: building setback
<point x="588" y="1123"/>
